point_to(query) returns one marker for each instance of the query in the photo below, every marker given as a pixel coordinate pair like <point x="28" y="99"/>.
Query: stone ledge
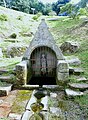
<point x="27" y="114"/>
<point x="80" y="86"/>
<point x="5" y="89"/>
<point x="73" y="93"/>
<point x="14" y="116"/>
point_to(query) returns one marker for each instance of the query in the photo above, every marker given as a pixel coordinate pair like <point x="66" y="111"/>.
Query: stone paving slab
<point x="73" y="93"/>
<point x="52" y="87"/>
<point x="82" y="79"/>
<point x="6" y="78"/>
<point x="14" y="116"/>
<point x="5" y="89"/>
<point x="5" y="106"/>
<point x="27" y="114"/>
<point x="80" y="86"/>
<point x="27" y="87"/>
<point x="4" y="111"/>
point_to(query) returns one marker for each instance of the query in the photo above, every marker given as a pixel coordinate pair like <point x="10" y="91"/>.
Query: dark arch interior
<point x="43" y="66"/>
<point x="42" y="81"/>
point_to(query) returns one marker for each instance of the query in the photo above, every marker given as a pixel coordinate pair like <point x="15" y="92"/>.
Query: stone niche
<point x="43" y="62"/>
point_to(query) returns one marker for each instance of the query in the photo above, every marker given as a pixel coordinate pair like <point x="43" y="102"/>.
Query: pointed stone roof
<point x="43" y="37"/>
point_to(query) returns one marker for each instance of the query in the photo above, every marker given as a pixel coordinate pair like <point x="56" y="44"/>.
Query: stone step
<point x="73" y="61"/>
<point x="72" y="93"/>
<point x="78" y="71"/>
<point x="6" y="78"/>
<point x="2" y="71"/>
<point x="82" y="79"/>
<point x="5" y="89"/>
<point x="80" y="86"/>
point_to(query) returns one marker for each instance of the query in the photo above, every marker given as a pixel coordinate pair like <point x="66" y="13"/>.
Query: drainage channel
<point x="51" y="104"/>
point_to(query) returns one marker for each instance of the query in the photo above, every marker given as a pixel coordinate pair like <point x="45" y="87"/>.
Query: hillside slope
<point x="16" y="31"/>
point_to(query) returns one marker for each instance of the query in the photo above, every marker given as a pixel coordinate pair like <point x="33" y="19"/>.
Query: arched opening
<point x="43" y="65"/>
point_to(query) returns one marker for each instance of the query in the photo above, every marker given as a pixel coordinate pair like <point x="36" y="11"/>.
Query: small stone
<point x="53" y="95"/>
<point x="1" y="101"/>
<point x="56" y="111"/>
<point x="70" y="47"/>
<point x="13" y="116"/>
<point x="70" y="92"/>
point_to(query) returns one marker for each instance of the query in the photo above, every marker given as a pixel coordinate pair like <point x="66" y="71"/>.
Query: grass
<point x="9" y="62"/>
<point x="70" y="30"/>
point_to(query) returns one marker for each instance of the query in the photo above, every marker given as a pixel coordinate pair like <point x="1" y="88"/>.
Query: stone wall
<point x="21" y="73"/>
<point x="62" y="72"/>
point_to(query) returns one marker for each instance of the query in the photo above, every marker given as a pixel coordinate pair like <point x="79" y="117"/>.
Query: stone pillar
<point x="21" y="73"/>
<point x="62" y="72"/>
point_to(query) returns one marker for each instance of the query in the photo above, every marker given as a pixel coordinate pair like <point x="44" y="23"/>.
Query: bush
<point x="83" y="11"/>
<point x="3" y="17"/>
<point x="37" y="16"/>
<point x="14" y="35"/>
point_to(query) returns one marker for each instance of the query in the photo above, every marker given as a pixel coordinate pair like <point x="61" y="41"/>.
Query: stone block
<point x="14" y="116"/>
<point x="62" y="66"/>
<point x="62" y="76"/>
<point x="73" y="93"/>
<point x="4" y="90"/>
<point x="21" y="72"/>
<point x="27" y="114"/>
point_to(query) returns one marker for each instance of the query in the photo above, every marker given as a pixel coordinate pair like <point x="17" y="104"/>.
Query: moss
<point x="21" y="100"/>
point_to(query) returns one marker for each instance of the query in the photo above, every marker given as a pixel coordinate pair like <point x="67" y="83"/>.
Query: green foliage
<point x="3" y="17"/>
<point x="37" y="16"/>
<point x="67" y="8"/>
<point x="83" y="11"/>
<point x="56" y="7"/>
<point x="83" y="3"/>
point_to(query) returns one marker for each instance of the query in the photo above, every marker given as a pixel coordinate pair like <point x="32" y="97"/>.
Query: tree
<point x="67" y="8"/>
<point x="56" y="8"/>
<point x="83" y="3"/>
<point x="47" y="9"/>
